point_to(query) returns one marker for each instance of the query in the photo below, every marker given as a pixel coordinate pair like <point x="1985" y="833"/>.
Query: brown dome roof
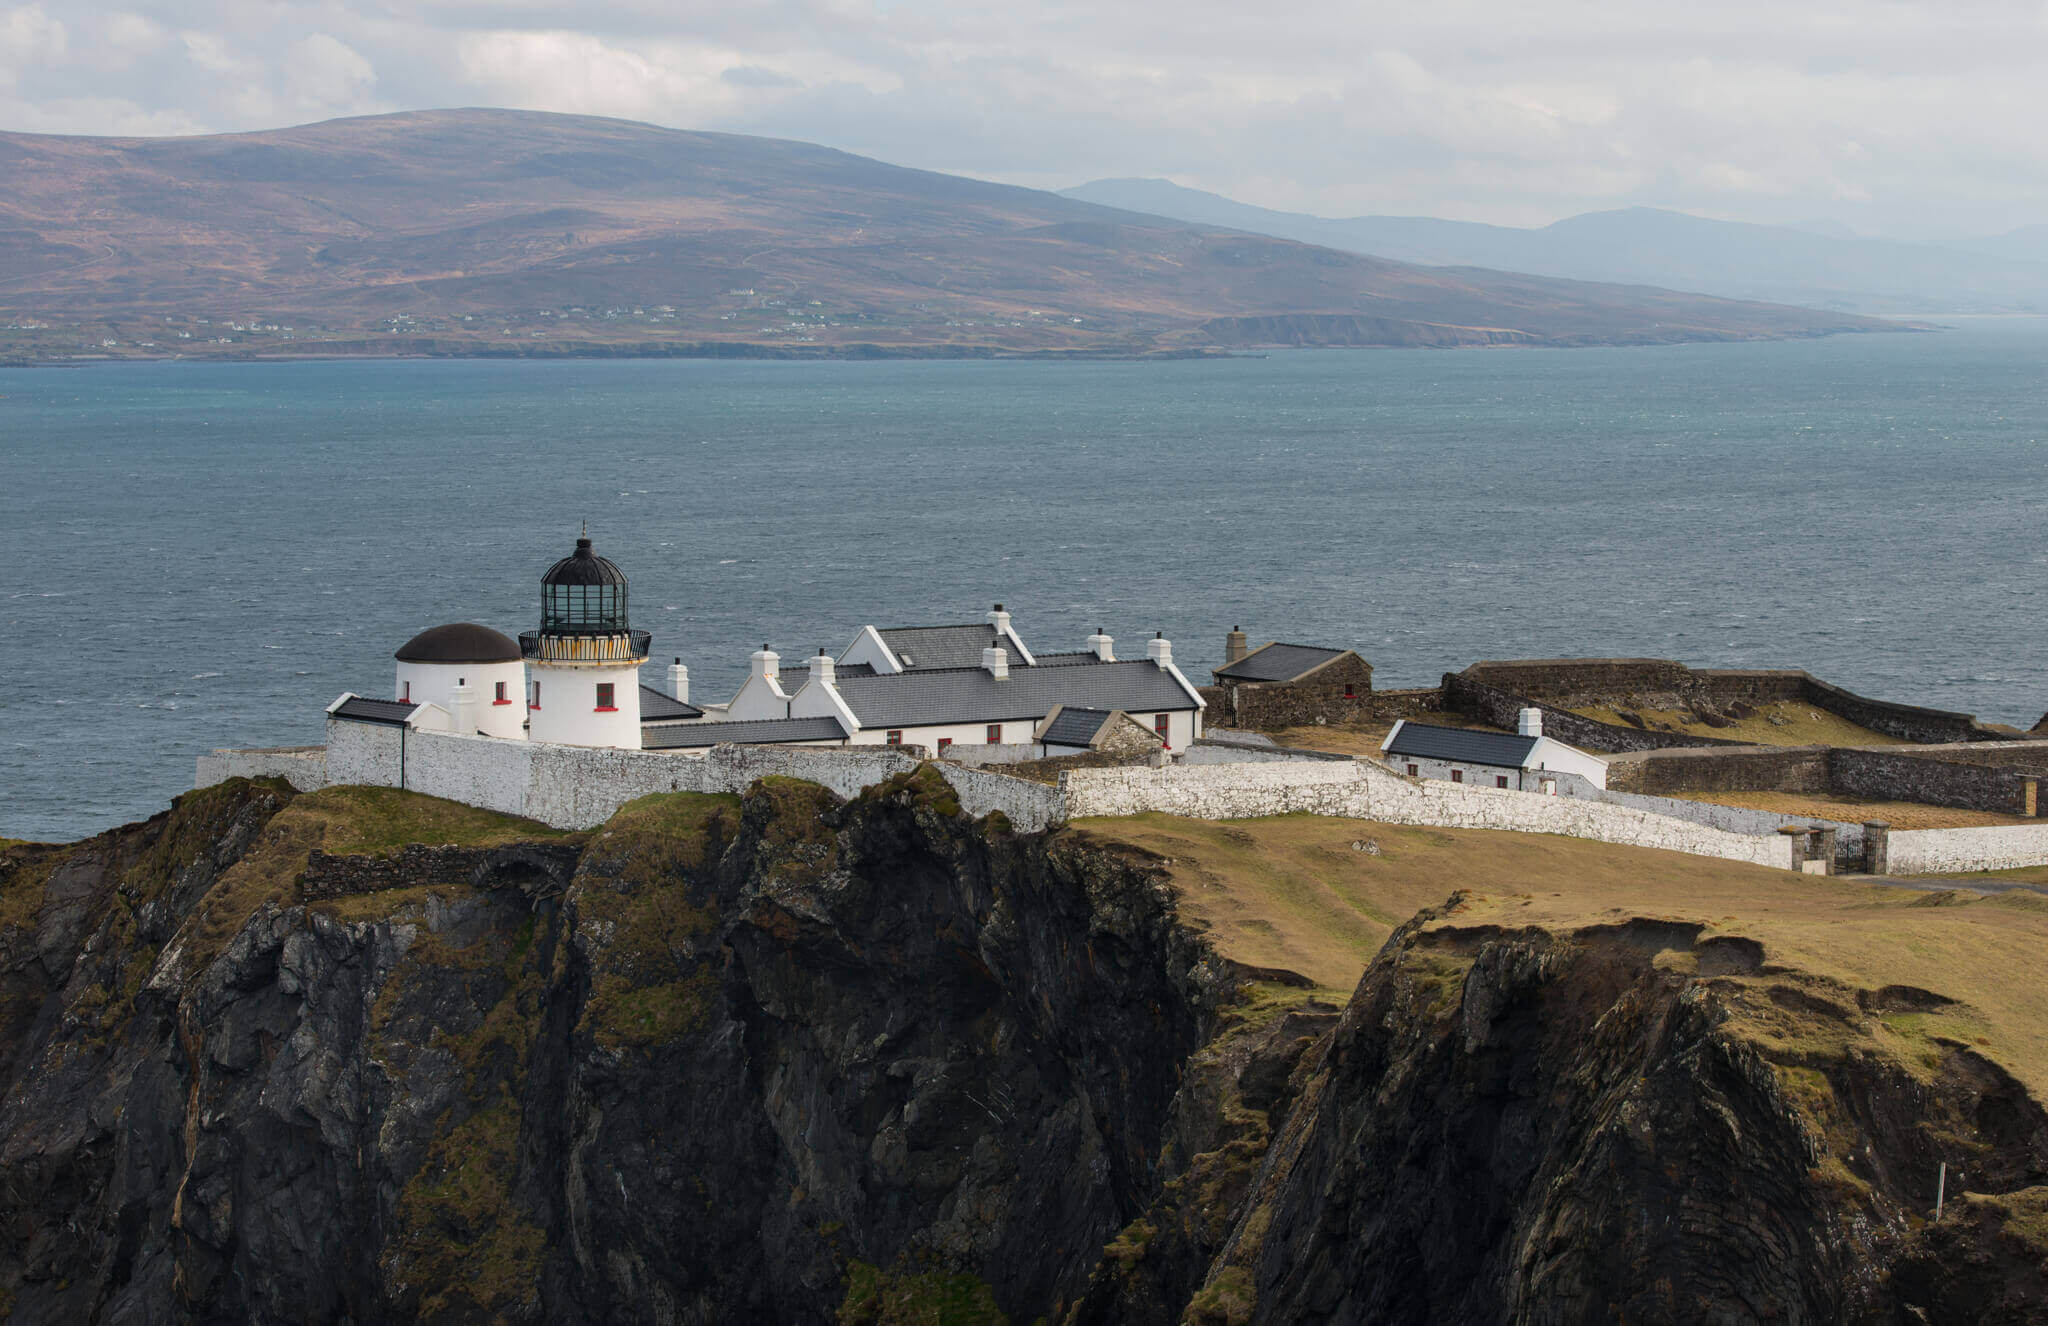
<point x="459" y="642"/>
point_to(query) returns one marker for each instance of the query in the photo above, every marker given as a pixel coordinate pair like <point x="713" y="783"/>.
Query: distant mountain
<point x="1649" y="246"/>
<point x="504" y="231"/>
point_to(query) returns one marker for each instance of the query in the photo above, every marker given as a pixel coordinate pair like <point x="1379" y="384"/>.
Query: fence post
<point x="1877" y="847"/>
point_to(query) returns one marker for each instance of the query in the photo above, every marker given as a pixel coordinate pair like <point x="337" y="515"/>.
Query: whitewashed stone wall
<point x="1735" y="819"/>
<point x="1955" y="851"/>
<point x="1030" y="807"/>
<point x="304" y="767"/>
<point x="1363" y="790"/>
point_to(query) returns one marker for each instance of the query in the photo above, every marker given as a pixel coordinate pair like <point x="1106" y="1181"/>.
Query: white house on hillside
<point x="1519" y="760"/>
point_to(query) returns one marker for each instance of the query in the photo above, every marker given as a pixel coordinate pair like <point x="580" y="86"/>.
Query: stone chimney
<point x="997" y="662"/>
<point x="1100" y="645"/>
<point x="1530" y="724"/>
<point x="1159" y="649"/>
<point x="462" y="707"/>
<point x="822" y="667"/>
<point x="999" y="619"/>
<point x="1234" y="646"/>
<point x="679" y="681"/>
<point x="766" y="663"/>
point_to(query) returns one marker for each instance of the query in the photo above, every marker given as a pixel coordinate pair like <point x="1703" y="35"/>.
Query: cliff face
<point x="787" y="1058"/>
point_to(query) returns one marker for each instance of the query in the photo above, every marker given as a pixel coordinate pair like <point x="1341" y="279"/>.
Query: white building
<point x="583" y="663"/>
<point x="472" y="671"/>
<point x="1526" y="761"/>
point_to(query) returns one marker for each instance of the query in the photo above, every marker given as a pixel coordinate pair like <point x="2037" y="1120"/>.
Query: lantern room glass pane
<point x="583" y="608"/>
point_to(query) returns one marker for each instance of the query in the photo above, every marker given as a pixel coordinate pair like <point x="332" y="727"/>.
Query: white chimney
<point x="1099" y="645"/>
<point x="679" y="681"/>
<point x="821" y="666"/>
<point x="997" y="662"/>
<point x="766" y="663"/>
<point x="1531" y="724"/>
<point x="1160" y="649"/>
<point x="462" y="706"/>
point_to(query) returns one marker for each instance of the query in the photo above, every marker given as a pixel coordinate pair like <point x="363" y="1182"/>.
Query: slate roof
<point x="1086" y="656"/>
<point x="1502" y="750"/>
<point x="1278" y="662"/>
<point x="970" y="695"/>
<point x="660" y="707"/>
<point x="365" y="710"/>
<point x="923" y="648"/>
<point x="1075" y="726"/>
<point x="687" y="736"/>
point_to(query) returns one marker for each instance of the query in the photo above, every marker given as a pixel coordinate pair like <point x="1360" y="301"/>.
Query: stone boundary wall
<point x="1721" y="769"/>
<point x="1957" y="851"/>
<point x="1737" y="819"/>
<point x="1887" y="777"/>
<point x="1231" y="752"/>
<point x="304" y="767"/>
<point x="2024" y="756"/>
<point x="1577" y="680"/>
<point x="1362" y="790"/>
<point x="1491" y="704"/>
<point x="1030" y="807"/>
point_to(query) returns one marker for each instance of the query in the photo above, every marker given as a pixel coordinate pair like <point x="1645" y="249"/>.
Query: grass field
<point x="1299" y="892"/>
<point x="1855" y="810"/>
<point x="1797" y="724"/>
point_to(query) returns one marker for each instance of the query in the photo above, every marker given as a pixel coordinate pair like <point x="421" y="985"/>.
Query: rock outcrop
<point x="783" y="1057"/>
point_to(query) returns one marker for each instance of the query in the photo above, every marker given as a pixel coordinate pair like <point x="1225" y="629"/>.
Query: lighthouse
<point x="583" y="678"/>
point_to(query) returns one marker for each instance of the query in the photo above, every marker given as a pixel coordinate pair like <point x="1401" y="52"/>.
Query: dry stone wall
<point x="304" y="767"/>
<point x="1956" y="851"/>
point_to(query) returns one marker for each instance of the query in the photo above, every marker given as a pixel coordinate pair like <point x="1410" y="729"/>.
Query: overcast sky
<point x="1901" y="118"/>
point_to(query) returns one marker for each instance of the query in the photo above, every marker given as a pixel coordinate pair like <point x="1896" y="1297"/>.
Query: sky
<point x="1915" y="120"/>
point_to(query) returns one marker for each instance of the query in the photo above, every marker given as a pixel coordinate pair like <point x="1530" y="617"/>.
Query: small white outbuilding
<point x="1524" y="761"/>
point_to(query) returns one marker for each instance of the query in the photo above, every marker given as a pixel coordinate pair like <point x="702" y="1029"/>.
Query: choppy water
<point x="197" y="555"/>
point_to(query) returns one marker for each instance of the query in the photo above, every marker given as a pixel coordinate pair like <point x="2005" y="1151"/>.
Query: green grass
<point x="875" y="1297"/>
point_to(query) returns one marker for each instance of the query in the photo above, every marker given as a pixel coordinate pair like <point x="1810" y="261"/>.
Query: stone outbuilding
<point x="1288" y="685"/>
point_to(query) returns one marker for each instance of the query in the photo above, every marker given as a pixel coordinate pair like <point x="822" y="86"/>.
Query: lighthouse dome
<point x="459" y="642"/>
<point x="583" y="594"/>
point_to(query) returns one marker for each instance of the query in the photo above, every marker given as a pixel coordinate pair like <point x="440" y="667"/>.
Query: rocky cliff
<point x="361" y="1056"/>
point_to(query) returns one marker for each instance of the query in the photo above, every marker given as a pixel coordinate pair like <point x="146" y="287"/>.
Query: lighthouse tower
<point x="584" y="661"/>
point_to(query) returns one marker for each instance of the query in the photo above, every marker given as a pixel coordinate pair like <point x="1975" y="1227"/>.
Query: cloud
<point x="1876" y="112"/>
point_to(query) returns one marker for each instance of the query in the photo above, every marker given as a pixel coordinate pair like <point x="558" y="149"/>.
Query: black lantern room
<point x="583" y="594"/>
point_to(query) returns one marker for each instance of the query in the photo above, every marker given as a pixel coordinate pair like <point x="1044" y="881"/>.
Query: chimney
<point x="766" y="663"/>
<point x="997" y="662"/>
<point x="1100" y="644"/>
<point x="999" y="619"/>
<point x="1160" y="649"/>
<point x="462" y="706"/>
<point x="1530" y="723"/>
<point x="821" y="666"/>
<point x="679" y="681"/>
<point x="1234" y="646"/>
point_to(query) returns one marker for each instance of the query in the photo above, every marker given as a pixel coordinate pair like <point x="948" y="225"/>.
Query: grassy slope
<point x="1797" y="725"/>
<point x="1293" y="892"/>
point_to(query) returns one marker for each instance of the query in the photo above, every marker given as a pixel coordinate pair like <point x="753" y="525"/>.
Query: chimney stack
<point x="999" y="619"/>
<point x="997" y="662"/>
<point x="821" y="666"/>
<point x="1159" y="649"/>
<point x="1101" y="646"/>
<point x="766" y="663"/>
<point x="1234" y="646"/>
<point x="462" y="707"/>
<point x="679" y="681"/>
<point x="1530" y="723"/>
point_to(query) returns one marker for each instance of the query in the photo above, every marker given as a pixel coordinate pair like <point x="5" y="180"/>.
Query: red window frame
<point x="1413" y="771"/>
<point x="405" y="691"/>
<point x="995" y="734"/>
<point x="607" y="697"/>
<point x="1163" y="725"/>
<point x="944" y="742"/>
<point x="895" y="736"/>
<point x="1500" y="780"/>
<point x="1349" y="694"/>
<point x="1457" y="775"/>
<point x="502" y="698"/>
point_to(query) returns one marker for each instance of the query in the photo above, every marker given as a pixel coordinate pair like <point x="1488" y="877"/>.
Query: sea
<point x="203" y="555"/>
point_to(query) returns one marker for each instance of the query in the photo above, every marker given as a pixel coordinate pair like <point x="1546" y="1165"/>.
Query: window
<point x="1500" y="780"/>
<point x="995" y="734"/>
<point x="1412" y="771"/>
<point x="895" y="736"/>
<point x="405" y="691"/>
<point x="533" y="701"/>
<point x="606" y="692"/>
<point x="1457" y="775"/>
<point x="501" y="697"/>
<point x="945" y="744"/>
<point x="1160" y="724"/>
<point x="1349" y="693"/>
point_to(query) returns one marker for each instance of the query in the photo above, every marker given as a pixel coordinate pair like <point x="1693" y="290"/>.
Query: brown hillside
<point x="444" y="231"/>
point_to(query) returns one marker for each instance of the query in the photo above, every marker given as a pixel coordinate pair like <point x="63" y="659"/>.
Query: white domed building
<point x="583" y="682"/>
<point x="472" y="671"/>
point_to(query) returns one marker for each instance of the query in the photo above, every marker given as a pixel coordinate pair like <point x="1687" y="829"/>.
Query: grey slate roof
<point x="362" y="709"/>
<point x="922" y="648"/>
<point x="687" y="736"/>
<point x="1083" y="658"/>
<point x="1278" y="662"/>
<point x="659" y="706"/>
<point x="1502" y="750"/>
<point x="1075" y="726"/>
<point x="971" y="695"/>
